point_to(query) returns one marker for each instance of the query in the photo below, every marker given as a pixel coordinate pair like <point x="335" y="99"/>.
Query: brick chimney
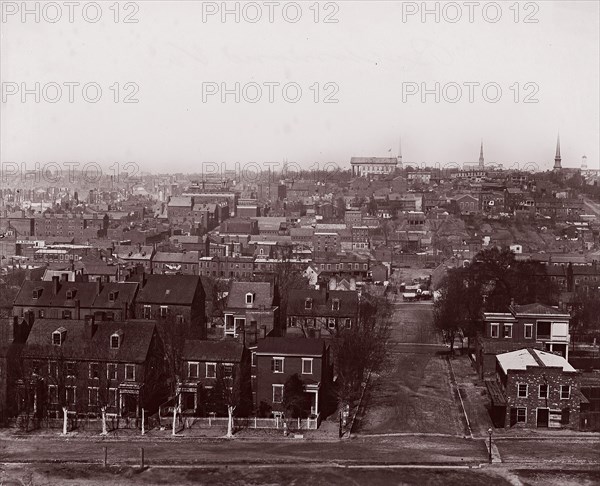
<point x="89" y="327"/>
<point x="55" y="285"/>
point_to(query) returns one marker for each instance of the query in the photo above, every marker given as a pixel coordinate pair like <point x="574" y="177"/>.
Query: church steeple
<point x="557" y="158"/>
<point x="481" y="160"/>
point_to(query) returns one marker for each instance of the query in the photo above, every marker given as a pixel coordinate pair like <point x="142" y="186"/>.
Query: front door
<point x="130" y="403"/>
<point x="542" y="417"/>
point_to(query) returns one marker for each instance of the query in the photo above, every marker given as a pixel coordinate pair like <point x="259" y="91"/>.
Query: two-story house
<point x="251" y="312"/>
<point x="200" y="362"/>
<point x="313" y="312"/>
<point x="277" y="359"/>
<point x="536" y="325"/>
<point x="87" y="365"/>
<point x="180" y="298"/>
<point x="534" y="388"/>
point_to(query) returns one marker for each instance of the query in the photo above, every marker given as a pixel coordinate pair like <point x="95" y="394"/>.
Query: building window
<point x="53" y="394"/>
<point x="543" y="392"/>
<point x="565" y="392"/>
<point x="277" y="393"/>
<point x="331" y="323"/>
<point x="494" y="330"/>
<point x="211" y="370"/>
<point x="71" y="369"/>
<point x="41" y="313"/>
<point x="93" y="393"/>
<point x="249" y="298"/>
<point x="147" y="312"/>
<point x="52" y="369"/>
<point x="308" y="304"/>
<point x="307" y="366"/>
<point x="129" y="372"/>
<point x="164" y="309"/>
<point x="528" y="331"/>
<point x="253" y="358"/>
<point x="114" y="341"/>
<point x="507" y="329"/>
<point x="111" y="371"/>
<point x="522" y="390"/>
<point x="112" y="296"/>
<point x="94" y="371"/>
<point x="57" y="338"/>
<point x="335" y="305"/>
<point x="277" y="365"/>
<point x="521" y="415"/>
<point x="113" y="397"/>
<point x="66" y="314"/>
<point x="348" y="323"/>
<point x="193" y="370"/>
<point x="71" y="394"/>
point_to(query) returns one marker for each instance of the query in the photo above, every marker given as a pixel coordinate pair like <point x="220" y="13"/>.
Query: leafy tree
<point x="295" y="401"/>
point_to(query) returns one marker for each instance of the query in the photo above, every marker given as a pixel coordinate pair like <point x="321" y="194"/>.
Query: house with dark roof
<point x="176" y="263"/>
<point x="86" y="365"/>
<point x="201" y="361"/>
<point x="180" y="298"/>
<point x="61" y="299"/>
<point x="534" y="325"/>
<point x="313" y="312"/>
<point x="251" y="312"/>
<point x="277" y="359"/>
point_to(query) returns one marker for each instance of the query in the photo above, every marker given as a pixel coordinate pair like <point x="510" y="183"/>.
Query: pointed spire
<point x="400" y="151"/>
<point x="557" y="158"/>
<point x="481" y="160"/>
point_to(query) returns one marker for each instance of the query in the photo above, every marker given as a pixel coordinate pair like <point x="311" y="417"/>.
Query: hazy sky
<point x="173" y="54"/>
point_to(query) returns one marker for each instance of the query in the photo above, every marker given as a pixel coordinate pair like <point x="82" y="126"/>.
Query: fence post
<point x="299" y="423"/>
<point x="254" y="422"/>
<point x="141" y="457"/>
<point x="143" y="428"/>
<point x="105" y="456"/>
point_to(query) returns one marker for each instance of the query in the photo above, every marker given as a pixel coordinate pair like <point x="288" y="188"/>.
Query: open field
<point x="414" y="393"/>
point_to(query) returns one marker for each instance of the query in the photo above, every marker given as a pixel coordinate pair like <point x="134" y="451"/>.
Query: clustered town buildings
<point x="103" y="269"/>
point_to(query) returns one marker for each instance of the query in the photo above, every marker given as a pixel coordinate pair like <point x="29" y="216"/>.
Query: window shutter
<point x="272" y="365"/>
<point x="513" y="416"/>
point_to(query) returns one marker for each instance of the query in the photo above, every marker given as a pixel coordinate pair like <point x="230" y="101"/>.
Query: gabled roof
<point x="263" y="295"/>
<point x="169" y="289"/>
<point x="135" y="340"/>
<point x="276" y="346"/>
<point x="224" y="351"/>
<point x="322" y="302"/>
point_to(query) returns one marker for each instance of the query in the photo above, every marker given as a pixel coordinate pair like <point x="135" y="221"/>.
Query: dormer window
<point x="249" y="298"/>
<point x="70" y="294"/>
<point x="308" y="303"/>
<point x="335" y="305"/>
<point x="115" y="340"/>
<point x="112" y="296"/>
<point x="58" y="336"/>
<point x="36" y="293"/>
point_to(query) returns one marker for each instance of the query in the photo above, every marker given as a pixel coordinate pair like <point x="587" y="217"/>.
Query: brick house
<point x="536" y="325"/>
<point x="312" y="312"/>
<point x="534" y="388"/>
<point x="178" y="297"/>
<point x="251" y="312"/>
<point x="61" y="299"/>
<point x="277" y="359"/>
<point x="87" y="364"/>
<point x="200" y="360"/>
<point x="176" y="263"/>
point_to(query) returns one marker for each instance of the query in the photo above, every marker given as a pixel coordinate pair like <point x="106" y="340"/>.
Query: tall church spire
<point x="481" y="160"/>
<point x="400" y="151"/>
<point x="557" y="158"/>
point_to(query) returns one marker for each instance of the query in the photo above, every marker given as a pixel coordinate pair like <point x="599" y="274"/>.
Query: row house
<point x="180" y="298"/>
<point x="202" y="362"/>
<point x="277" y="359"/>
<point x="86" y="366"/>
<point x="315" y="312"/>
<point x="536" y="325"/>
<point x="58" y="299"/>
<point x="251" y="312"/>
<point x="561" y="209"/>
<point x="50" y="224"/>
<point x="227" y="267"/>
<point x="175" y="263"/>
<point x="343" y="264"/>
<point x="360" y="237"/>
<point x="535" y="389"/>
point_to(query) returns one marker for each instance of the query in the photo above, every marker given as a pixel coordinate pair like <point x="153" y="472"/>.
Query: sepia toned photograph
<point x="310" y="242"/>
